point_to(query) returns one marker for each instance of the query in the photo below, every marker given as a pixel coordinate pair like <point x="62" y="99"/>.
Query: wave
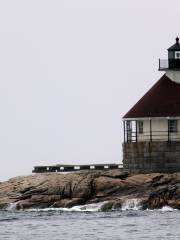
<point x="131" y="204"/>
<point x="12" y="206"/>
<point x="167" y="209"/>
<point x="163" y="209"/>
<point x="95" y="207"/>
<point x="135" y="204"/>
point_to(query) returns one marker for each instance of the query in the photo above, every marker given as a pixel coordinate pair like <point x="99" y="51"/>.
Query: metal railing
<point x="152" y="136"/>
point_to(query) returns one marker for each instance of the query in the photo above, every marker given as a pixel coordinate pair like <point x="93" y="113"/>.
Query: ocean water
<point x="89" y="223"/>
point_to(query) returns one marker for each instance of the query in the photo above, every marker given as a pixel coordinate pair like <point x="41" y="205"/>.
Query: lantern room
<point x="173" y="61"/>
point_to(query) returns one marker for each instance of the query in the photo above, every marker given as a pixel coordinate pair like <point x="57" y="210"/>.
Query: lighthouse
<point x="152" y="125"/>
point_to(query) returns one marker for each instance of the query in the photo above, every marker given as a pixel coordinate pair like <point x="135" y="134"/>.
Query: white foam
<point x="95" y="207"/>
<point x="131" y="204"/>
<point x="11" y="206"/>
<point x="167" y="209"/>
<point x="163" y="209"/>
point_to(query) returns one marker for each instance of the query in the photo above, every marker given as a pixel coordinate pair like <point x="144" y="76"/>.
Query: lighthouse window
<point x="173" y="128"/>
<point x="177" y="55"/>
<point x="140" y="127"/>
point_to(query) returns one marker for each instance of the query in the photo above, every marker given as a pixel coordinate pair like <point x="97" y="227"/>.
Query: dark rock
<point x="4" y="205"/>
<point x="107" y="206"/>
<point x="28" y="204"/>
<point x="111" y="205"/>
<point x="157" y="178"/>
<point x="120" y="175"/>
<point x="176" y="193"/>
<point x="117" y="205"/>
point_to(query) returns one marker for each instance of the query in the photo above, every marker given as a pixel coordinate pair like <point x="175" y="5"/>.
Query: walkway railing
<point x="70" y="168"/>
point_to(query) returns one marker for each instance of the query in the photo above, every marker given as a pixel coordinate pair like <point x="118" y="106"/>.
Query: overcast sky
<point x="69" y="71"/>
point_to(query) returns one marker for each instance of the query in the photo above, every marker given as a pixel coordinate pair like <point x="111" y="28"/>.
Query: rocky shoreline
<point x="85" y="187"/>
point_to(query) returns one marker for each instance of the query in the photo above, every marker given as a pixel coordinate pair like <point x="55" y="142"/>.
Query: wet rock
<point x="165" y="195"/>
<point x="4" y="205"/>
<point x="117" y="205"/>
<point x="22" y="205"/>
<point x="107" y="206"/>
<point x="111" y="205"/>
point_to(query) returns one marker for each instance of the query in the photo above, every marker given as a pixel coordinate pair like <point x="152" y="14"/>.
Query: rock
<point x="176" y="192"/>
<point x="68" y="203"/>
<point x="174" y="204"/>
<point x="116" y="174"/>
<point x="84" y="187"/>
<point x="107" y="185"/>
<point x="4" y="205"/>
<point x="165" y="193"/>
<point x="111" y="205"/>
<point x="117" y="205"/>
<point x="28" y="204"/>
<point x="107" y="206"/>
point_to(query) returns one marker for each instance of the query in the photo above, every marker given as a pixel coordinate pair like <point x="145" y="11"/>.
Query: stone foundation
<point x="148" y="157"/>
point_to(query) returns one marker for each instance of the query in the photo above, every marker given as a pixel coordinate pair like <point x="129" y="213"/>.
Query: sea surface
<point x="89" y="223"/>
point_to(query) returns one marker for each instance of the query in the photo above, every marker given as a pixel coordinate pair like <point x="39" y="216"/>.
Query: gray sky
<point x="69" y="70"/>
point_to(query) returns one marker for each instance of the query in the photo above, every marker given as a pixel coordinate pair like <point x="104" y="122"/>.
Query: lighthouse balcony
<point x="167" y="130"/>
<point x="169" y="64"/>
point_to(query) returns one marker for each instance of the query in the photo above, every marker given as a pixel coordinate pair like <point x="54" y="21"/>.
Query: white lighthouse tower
<point x="152" y="125"/>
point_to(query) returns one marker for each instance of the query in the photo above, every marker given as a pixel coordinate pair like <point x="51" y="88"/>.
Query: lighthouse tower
<point x="152" y="125"/>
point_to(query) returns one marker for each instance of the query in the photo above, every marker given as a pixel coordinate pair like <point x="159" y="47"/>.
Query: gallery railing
<point x="131" y="136"/>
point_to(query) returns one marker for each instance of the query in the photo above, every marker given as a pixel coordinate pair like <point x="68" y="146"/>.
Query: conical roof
<point x="176" y="46"/>
<point x="162" y="100"/>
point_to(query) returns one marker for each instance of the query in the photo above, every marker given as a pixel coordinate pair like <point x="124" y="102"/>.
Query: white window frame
<point x="177" y="53"/>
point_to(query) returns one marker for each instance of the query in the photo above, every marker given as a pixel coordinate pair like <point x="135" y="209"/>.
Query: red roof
<point x="162" y="100"/>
